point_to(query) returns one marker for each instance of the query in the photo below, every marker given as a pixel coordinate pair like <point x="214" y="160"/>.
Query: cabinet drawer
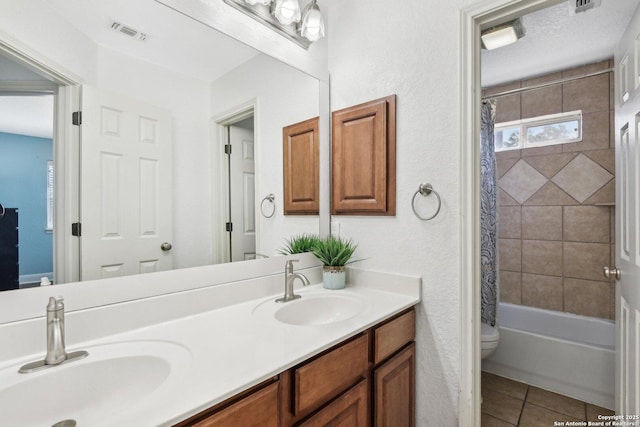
<point x="350" y="409"/>
<point x="394" y="334"/>
<point x="327" y="376"/>
<point x="259" y="409"/>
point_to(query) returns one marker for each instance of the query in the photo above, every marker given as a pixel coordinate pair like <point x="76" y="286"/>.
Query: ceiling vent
<point x="128" y="31"/>
<point x="577" y="6"/>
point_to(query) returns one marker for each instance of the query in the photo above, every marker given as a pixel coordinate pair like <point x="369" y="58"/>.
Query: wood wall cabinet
<point x="363" y="159"/>
<point x="368" y="380"/>
<point x="301" y="152"/>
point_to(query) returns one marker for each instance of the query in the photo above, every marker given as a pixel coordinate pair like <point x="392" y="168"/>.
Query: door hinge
<point x="229" y="227"/>
<point x="227" y="149"/>
<point x="76" y="118"/>
<point x="76" y="229"/>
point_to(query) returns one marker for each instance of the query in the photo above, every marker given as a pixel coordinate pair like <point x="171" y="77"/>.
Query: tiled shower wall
<point x="556" y="203"/>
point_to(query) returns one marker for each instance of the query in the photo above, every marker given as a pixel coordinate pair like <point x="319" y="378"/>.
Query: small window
<point x="539" y="131"/>
<point x="50" y="203"/>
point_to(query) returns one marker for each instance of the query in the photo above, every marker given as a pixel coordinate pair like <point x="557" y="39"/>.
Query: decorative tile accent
<point x="605" y="158"/>
<point x="581" y="178"/>
<point x="541" y="222"/>
<point x="551" y="195"/>
<point x="606" y="194"/>
<point x="551" y="164"/>
<point x="522" y="181"/>
<point x="542" y="291"/>
<point x="587" y="298"/>
<point x="506" y="200"/>
<point x="504" y="163"/>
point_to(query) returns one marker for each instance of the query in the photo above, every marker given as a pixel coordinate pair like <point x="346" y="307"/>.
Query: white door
<point x="242" y="194"/>
<point x="627" y="129"/>
<point x="125" y="186"/>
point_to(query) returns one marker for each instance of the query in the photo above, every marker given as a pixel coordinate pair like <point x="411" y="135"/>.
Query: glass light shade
<point x="287" y="11"/>
<point x="264" y="2"/>
<point x="312" y="27"/>
<point x="499" y="38"/>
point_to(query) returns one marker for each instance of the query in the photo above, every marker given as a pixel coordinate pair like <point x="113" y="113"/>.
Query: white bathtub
<point x="566" y="353"/>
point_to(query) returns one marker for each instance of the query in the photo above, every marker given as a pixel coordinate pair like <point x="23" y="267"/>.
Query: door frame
<point x="472" y="19"/>
<point x="220" y="190"/>
<point x="66" y="157"/>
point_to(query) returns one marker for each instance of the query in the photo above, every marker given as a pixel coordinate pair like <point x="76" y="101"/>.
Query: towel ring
<point x="269" y="198"/>
<point x="425" y="190"/>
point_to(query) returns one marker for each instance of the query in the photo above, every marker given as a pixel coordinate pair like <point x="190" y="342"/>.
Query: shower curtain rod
<point x="541" y="85"/>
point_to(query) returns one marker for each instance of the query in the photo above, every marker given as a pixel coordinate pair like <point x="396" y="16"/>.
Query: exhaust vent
<point x="577" y="6"/>
<point x="128" y="31"/>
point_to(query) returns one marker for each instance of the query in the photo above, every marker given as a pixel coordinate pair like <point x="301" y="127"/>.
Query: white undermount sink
<point x="313" y="309"/>
<point x="93" y="390"/>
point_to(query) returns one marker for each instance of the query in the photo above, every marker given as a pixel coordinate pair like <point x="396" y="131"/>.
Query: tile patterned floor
<point x="508" y="403"/>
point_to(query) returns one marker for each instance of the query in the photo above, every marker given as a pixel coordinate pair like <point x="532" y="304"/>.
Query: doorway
<point x="474" y="19"/>
<point x="241" y="194"/>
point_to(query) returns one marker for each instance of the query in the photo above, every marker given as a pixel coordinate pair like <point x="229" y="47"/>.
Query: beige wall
<point x="556" y="214"/>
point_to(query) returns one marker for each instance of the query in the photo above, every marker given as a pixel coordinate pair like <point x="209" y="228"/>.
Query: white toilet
<point x="490" y="339"/>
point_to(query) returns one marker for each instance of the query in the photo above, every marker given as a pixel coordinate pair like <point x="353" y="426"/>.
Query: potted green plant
<point x="335" y="253"/>
<point x="300" y="243"/>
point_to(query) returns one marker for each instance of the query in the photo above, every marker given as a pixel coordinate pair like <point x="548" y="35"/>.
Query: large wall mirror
<point x="214" y="90"/>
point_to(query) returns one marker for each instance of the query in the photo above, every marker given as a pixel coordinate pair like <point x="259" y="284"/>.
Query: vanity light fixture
<point x="312" y="26"/>
<point x="287" y="11"/>
<point x="263" y="2"/>
<point x="285" y="17"/>
<point x="502" y="35"/>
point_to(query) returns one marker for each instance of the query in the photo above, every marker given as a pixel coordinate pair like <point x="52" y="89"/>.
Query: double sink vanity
<point x="244" y="360"/>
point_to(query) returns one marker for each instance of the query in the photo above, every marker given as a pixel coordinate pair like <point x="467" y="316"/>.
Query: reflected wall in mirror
<point x="206" y="81"/>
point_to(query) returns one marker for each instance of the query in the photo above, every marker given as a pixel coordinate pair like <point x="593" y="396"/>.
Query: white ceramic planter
<point x="333" y="277"/>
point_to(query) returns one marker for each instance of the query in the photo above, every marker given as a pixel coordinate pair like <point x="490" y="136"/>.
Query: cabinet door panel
<point x="327" y="376"/>
<point x="259" y="409"/>
<point x="393" y="335"/>
<point x="394" y="390"/>
<point x="349" y="410"/>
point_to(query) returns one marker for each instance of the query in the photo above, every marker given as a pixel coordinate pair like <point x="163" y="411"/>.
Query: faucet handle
<point x="289" y="265"/>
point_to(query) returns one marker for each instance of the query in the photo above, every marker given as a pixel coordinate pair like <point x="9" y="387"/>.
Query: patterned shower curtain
<point x="488" y="215"/>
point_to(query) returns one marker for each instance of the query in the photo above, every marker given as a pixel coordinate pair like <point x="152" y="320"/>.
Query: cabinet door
<point x="259" y="409"/>
<point x="394" y="390"/>
<point x="349" y="410"/>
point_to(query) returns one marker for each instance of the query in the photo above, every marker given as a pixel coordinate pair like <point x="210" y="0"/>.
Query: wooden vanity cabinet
<point x="368" y="380"/>
<point x="257" y="407"/>
<point x="393" y="378"/>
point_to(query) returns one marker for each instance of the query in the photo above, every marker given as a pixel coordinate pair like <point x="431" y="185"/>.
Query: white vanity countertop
<point x="231" y="349"/>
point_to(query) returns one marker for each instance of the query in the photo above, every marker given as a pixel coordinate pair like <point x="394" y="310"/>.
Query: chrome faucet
<point x="56" y="351"/>
<point x="289" y="278"/>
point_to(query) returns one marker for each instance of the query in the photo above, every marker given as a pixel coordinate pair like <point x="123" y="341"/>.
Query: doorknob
<point x="611" y="273"/>
<point x="166" y="246"/>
